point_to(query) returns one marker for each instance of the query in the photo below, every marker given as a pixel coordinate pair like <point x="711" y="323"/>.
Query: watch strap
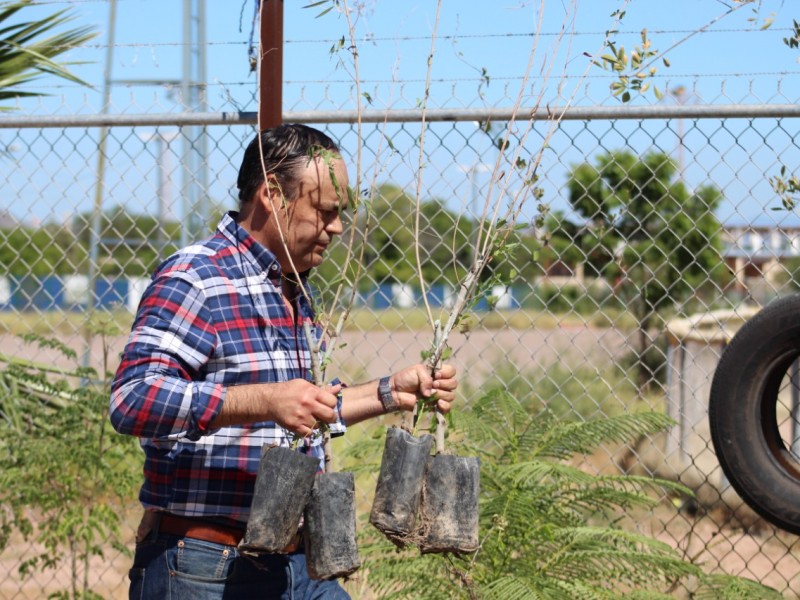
<point x="385" y="394"/>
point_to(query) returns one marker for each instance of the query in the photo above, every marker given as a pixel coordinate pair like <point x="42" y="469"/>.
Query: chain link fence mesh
<point x="643" y="225"/>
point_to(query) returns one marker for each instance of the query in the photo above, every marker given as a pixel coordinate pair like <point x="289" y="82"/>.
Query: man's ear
<point x="269" y="196"/>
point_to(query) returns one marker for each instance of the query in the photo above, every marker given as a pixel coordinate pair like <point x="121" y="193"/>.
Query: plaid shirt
<point x="213" y="316"/>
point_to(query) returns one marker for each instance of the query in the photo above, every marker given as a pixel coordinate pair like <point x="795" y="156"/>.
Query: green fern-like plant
<point x="63" y="476"/>
<point x="548" y="529"/>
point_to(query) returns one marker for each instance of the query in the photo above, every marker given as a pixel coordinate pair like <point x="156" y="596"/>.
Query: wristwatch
<point x="385" y="394"/>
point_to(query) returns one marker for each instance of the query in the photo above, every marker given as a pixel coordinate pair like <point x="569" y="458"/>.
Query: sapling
<point x="515" y="175"/>
<point x="64" y="479"/>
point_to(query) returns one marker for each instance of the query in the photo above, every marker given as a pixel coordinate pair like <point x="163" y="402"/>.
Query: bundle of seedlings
<point x="445" y="490"/>
<point x="290" y="487"/>
<point x="432" y="501"/>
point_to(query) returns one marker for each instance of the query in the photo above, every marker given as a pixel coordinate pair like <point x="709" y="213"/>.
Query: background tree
<point x="40" y="251"/>
<point x="389" y="256"/>
<point x="644" y="230"/>
<point x="130" y="244"/>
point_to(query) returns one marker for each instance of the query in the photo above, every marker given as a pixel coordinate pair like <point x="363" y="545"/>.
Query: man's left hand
<point x="414" y="383"/>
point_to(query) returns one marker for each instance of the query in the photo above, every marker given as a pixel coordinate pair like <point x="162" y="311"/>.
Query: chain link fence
<point x="650" y="218"/>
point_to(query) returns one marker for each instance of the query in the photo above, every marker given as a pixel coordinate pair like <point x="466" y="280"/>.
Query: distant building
<point x="754" y="252"/>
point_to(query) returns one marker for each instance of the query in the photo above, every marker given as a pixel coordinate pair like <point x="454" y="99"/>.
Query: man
<point x="217" y="365"/>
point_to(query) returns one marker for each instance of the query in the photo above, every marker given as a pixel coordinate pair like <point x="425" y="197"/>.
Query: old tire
<point x="744" y="413"/>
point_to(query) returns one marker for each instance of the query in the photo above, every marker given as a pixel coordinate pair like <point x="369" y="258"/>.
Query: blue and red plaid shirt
<point x="212" y="317"/>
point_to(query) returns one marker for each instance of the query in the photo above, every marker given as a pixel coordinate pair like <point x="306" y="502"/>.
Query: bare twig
<point x="433" y="363"/>
<point x="491" y="238"/>
<point x="421" y="165"/>
<point x="315" y="348"/>
<point x="357" y="187"/>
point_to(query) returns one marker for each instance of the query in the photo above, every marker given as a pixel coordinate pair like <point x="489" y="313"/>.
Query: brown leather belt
<point x="202" y="529"/>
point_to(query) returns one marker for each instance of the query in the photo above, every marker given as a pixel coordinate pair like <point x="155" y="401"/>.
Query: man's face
<point x="311" y="220"/>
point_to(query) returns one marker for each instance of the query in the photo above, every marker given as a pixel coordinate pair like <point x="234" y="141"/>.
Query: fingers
<point x="444" y="387"/>
<point x="322" y="407"/>
<point x="425" y="381"/>
<point x="302" y="431"/>
<point x="416" y="382"/>
<point x="446" y="372"/>
<point x="309" y="407"/>
<point x="445" y="379"/>
<point x="334" y="390"/>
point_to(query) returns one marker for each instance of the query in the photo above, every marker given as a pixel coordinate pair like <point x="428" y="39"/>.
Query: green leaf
<point x="28" y="52"/>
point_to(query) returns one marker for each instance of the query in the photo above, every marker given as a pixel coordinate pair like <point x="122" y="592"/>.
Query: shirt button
<point x="274" y="267"/>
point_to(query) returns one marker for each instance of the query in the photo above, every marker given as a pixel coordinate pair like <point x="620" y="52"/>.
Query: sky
<point x="394" y="40"/>
<point x="480" y="52"/>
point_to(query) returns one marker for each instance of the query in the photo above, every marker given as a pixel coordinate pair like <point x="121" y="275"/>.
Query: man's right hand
<point x="297" y="405"/>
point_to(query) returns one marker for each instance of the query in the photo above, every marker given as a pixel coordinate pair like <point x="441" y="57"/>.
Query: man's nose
<point x="335" y="226"/>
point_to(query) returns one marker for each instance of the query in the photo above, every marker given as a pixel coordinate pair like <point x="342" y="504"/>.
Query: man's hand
<point x="300" y="405"/>
<point x="413" y="383"/>
<point x="296" y="405"/>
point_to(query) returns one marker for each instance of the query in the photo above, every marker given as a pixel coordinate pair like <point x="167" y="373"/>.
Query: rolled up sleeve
<point x="159" y="389"/>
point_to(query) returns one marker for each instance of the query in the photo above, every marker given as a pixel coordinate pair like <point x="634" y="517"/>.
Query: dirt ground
<point x="763" y="554"/>
<point x="363" y="356"/>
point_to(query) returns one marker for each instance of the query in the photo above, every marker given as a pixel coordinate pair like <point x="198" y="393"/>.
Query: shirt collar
<point x="263" y="260"/>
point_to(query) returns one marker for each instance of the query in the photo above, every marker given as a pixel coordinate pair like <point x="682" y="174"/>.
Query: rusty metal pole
<point x="270" y="101"/>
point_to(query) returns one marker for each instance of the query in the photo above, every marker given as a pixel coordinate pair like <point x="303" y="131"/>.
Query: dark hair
<point x="286" y="148"/>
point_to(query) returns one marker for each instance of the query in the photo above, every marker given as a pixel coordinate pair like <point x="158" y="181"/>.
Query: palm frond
<point x="28" y="49"/>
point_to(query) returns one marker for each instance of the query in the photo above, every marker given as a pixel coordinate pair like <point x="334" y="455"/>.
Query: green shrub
<point x="64" y="474"/>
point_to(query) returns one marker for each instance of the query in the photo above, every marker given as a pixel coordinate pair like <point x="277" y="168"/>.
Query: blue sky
<point x="394" y="41"/>
<point x="734" y="61"/>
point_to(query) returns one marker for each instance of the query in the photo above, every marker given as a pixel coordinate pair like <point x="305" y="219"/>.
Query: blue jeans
<point x="168" y="567"/>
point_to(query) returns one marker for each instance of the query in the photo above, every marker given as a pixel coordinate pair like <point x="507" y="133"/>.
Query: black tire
<point x="743" y="413"/>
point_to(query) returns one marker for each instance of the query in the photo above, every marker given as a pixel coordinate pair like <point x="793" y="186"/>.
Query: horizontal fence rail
<point x="540" y="113"/>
